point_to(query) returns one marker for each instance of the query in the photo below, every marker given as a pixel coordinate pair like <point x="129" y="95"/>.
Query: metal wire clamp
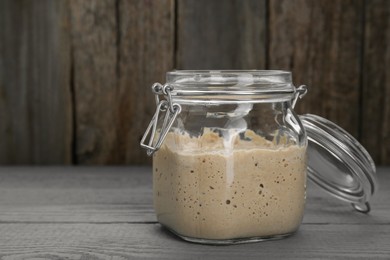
<point x="171" y="110"/>
<point x="300" y="92"/>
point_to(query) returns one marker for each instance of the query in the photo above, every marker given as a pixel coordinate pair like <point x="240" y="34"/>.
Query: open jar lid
<point x="338" y="163"/>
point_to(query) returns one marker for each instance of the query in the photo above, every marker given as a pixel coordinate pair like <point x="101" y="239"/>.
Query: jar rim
<point x="228" y="86"/>
<point x="229" y="72"/>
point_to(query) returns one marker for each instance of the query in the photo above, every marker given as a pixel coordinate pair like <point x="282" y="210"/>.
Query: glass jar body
<point x="230" y="173"/>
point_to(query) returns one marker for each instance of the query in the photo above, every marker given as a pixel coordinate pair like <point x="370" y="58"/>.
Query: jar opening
<point x="230" y="72"/>
<point x="230" y="85"/>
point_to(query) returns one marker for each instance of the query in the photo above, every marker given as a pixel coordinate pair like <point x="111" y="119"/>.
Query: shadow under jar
<point x="230" y="157"/>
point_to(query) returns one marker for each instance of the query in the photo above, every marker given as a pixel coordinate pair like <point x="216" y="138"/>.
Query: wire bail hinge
<point x="171" y="111"/>
<point x="300" y="92"/>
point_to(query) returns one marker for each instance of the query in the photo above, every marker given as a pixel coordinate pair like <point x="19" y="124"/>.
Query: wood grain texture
<point x="320" y="42"/>
<point x="221" y="35"/>
<point x="95" y="81"/>
<point x="35" y="103"/>
<point x="120" y="49"/>
<point x="124" y="195"/>
<point x="375" y="113"/>
<point x="82" y="221"/>
<point x="149" y="241"/>
<point x="75" y="76"/>
<point x="146" y="53"/>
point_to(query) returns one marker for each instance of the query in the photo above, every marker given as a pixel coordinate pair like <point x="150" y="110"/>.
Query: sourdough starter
<point x="204" y="189"/>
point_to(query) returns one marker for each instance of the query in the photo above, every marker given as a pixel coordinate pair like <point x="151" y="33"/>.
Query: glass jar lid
<point x="338" y="163"/>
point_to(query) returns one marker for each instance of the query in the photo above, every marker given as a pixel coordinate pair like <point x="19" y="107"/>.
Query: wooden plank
<point x="140" y="241"/>
<point x="124" y="195"/>
<point x="146" y="53"/>
<point x="104" y="213"/>
<point x="21" y="186"/>
<point x="320" y="42"/>
<point x="120" y="49"/>
<point x="94" y="61"/>
<point x="79" y="213"/>
<point x="221" y="35"/>
<point x="76" y="194"/>
<point x="375" y="110"/>
<point x="35" y="103"/>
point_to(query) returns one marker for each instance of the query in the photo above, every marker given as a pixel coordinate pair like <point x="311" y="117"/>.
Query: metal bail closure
<point x="300" y="92"/>
<point x="171" y="111"/>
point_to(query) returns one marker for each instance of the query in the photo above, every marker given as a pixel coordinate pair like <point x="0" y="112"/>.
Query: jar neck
<point x="227" y="86"/>
<point x="215" y="99"/>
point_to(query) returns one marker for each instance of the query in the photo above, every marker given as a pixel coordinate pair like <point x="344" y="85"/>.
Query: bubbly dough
<point x="204" y="189"/>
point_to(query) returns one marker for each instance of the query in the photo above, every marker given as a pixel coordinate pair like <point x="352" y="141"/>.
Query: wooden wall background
<point x="75" y="76"/>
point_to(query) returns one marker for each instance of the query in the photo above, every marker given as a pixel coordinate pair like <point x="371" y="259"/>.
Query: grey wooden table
<point x="107" y="213"/>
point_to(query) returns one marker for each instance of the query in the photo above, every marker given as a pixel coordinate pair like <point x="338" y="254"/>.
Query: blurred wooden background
<point x="75" y="76"/>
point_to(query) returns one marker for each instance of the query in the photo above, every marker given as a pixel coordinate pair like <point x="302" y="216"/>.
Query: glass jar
<point x="229" y="156"/>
